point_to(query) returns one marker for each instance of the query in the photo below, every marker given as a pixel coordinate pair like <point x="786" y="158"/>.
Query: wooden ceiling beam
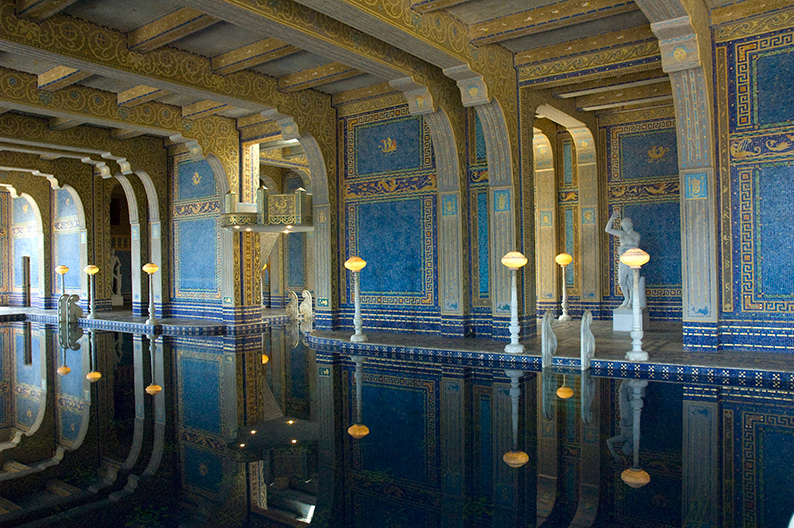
<point x="608" y="84"/>
<point x="313" y="77"/>
<point x="167" y="29"/>
<point x="651" y="93"/>
<point x="252" y="55"/>
<point x="545" y="18"/>
<point x="64" y="123"/>
<point x="38" y="10"/>
<point x="60" y="77"/>
<point x="426" y="6"/>
<point x="203" y="109"/>
<point x="138" y="95"/>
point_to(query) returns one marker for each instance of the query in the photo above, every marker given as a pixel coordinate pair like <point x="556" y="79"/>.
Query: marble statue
<point x="305" y="308"/>
<point x="116" y="299"/>
<point x="292" y="305"/>
<point x="548" y="341"/>
<point x="629" y="239"/>
<point x="587" y="346"/>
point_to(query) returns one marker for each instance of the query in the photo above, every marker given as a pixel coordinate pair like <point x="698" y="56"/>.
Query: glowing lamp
<point x="265" y="359"/>
<point x="153" y="389"/>
<point x="515" y="459"/>
<point x="61" y="270"/>
<point x="358" y="431"/>
<point x="63" y="370"/>
<point x="91" y="269"/>
<point x="151" y="268"/>
<point x="355" y="263"/>
<point x="635" y="258"/>
<point x="514" y="260"/>
<point x="635" y="477"/>
<point x="93" y="376"/>
<point x="563" y="259"/>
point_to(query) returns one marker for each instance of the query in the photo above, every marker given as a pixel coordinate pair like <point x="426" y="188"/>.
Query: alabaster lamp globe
<point x="90" y="269"/>
<point x="153" y="389"/>
<point x="358" y="431"/>
<point x="515" y="459"/>
<point x="63" y="370"/>
<point x="563" y="259"/>
<point x="635" y="477"/>
<point x="514" y="260"/>
<point x="150" y="268"/>
<point x="355" y="263"/>
<point x="61" y="270"/>
<point x="635" y="258"/>
<point x="93" y="376"/>
<point x="564" y="392"/>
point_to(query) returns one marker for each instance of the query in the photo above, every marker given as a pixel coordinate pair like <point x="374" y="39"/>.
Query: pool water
<point x="255" y="430"/>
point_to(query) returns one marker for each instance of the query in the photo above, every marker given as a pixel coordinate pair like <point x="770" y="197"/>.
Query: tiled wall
<point x="66" y="241"/>
<point x="388" y="206"/>
<point x="479" y="264"/>
<point x="755" y="111"/>
<point x="642" y="184"/>
<point x="25" y="240"/>
<point x="196" y="271"/>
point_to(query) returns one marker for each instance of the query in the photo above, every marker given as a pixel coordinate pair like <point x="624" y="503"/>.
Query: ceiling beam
<point x="138" y="95"/>
<point x="367" y="92"/>
<point x="203" y="109"/>
<point x="426" y="6"/>
<point x="313" y="77"/>
<point x="124" y="133"/>
<point x="64" y="123"/>
<point x="651" y="93"/>
<point x="545" y="18"/>
<point x="579" y="89"/>
<point x="3" y="110"/>
<point x="60" y="77"/>
<point x="167" y="29"/>
<point x="38" y="10"/>
<point x="252" y="55"/>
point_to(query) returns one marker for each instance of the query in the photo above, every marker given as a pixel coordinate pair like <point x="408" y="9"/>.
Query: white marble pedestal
<point x="117" y="300"/>
<point x="623" y="318"/>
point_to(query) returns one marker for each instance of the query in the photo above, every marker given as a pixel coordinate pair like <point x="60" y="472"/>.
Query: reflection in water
<point x="230" y="440"/>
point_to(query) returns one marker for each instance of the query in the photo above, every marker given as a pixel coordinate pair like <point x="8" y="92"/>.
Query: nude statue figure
<point x="629" y="239"/>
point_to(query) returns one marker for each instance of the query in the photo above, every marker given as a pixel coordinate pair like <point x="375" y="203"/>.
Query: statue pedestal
<point x="623" y="319"/>
<point x="117" y="300"/>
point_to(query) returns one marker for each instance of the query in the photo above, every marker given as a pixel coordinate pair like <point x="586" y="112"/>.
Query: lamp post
<point x="62" y="270"/>
<point x="151" y="268"/>
<point x="563" y="259"/>
<point x="514" y="260"/>
<point x="356" y="264"/>
<point x="635" y="258"/>
<point x="91" y="270"/>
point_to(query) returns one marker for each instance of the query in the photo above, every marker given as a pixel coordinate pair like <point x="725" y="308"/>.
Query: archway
<point x="120" y="261"/>
<point x="69" y="243"/>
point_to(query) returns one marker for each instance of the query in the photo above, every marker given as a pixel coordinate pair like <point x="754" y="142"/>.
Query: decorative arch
<point x="136" y="263"/>
<point x="545" y="220"/>
<point x="589" y="257"/>
<point x="82" y="243"/>
<point x="39" y="244"/>
<point x="156" y="240"/>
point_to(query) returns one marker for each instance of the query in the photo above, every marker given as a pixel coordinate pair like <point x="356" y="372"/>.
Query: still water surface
<point x="254" y="431"/>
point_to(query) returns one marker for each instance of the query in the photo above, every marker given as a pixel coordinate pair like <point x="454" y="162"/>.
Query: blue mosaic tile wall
<point x="296" y="247"/>
<point x="642" y="184"/>
<point x="568" y="206"/>
<point x="388" y="203"/>
<point x="756" y="233"/>
<point x="66" y="241"/>
<point x="197" y="266"/>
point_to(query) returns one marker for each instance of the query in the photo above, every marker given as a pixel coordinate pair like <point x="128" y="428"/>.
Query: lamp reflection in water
<point x="91" y="270"/>
<point x="153" y="387"/>
<point x="630" y="402"/>
<point x="356" y="264"/>
<point x="514" y="260"/>
<point x="635" y="258"/>
<point x="563" y="259"/>
<point x="358" y="430"/>
<point x="94" y="375"/>
<point x="150" y="269"/>
<point x="564" y="392"/>
<point x="515" y="457"/>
